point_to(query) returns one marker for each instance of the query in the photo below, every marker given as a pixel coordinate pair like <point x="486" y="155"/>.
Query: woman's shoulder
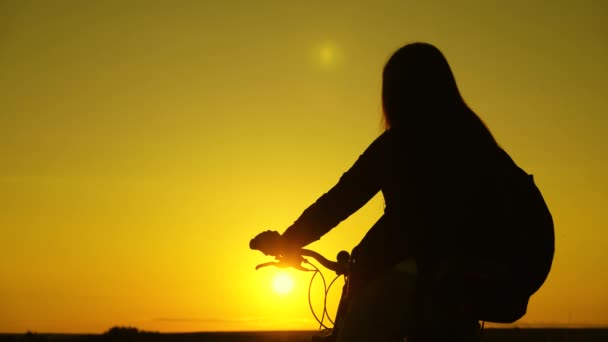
<point x="388" y="137"/>
<point x="385" y="147"/>
<point x="384" y="142"/>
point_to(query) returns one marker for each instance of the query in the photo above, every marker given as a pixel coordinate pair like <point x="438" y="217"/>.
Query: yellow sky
<point x="142" y="144"/>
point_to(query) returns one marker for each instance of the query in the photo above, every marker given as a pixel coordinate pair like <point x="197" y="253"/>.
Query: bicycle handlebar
<point x="341" y="266"/>
<point x="271" y="243"/>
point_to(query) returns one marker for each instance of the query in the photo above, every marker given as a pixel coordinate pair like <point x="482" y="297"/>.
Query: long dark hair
<point x="420" y="96"/>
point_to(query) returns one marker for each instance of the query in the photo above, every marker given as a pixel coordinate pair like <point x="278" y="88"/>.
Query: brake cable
<point x="326" y="290"/>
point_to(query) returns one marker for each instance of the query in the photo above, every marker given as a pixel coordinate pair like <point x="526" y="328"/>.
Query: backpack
<point x="522" y="240"/>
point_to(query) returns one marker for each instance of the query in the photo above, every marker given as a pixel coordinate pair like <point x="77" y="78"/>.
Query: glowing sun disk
<point x="282" y="284"/>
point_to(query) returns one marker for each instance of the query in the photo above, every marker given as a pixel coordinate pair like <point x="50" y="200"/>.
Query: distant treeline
<point x="121" y="333"/>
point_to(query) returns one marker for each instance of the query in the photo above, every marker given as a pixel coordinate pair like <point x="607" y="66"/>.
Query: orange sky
<point x="143" y="144"/>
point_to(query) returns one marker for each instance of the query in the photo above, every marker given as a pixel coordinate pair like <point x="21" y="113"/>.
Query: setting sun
<point x="282" y="284"/>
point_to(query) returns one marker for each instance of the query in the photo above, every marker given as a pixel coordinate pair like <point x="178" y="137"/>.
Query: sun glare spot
<point x="326" y="55"/>
<point x="282" y="284"/>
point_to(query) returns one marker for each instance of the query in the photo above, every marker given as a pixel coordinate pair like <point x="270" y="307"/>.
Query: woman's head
<point x="416" y="81"/>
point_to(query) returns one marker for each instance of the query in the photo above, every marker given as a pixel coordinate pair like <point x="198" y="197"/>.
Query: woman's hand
<point x="269" y="242"/>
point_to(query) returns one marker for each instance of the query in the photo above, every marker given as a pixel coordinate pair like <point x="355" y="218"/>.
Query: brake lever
<point x="266" y="264"/>
<point x="284" y="264"/>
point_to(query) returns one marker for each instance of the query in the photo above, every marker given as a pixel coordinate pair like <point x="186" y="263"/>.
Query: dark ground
<point x="489" y="335"/>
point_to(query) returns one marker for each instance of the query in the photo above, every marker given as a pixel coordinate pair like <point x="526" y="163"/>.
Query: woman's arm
<point x="354" y="189"/>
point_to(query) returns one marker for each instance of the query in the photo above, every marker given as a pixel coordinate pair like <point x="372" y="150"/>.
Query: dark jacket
<point x="429" y="188"/>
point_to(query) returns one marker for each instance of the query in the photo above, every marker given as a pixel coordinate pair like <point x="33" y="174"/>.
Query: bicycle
<point x="342" y="267"/>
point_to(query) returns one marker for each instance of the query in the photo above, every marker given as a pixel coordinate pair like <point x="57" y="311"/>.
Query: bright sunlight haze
<point x="143" y="144"/>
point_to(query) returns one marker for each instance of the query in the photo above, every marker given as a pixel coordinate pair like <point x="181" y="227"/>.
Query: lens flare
<point x="326" y="55"/>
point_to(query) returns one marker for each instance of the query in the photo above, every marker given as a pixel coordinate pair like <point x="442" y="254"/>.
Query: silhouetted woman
<point x="429" y="164"/>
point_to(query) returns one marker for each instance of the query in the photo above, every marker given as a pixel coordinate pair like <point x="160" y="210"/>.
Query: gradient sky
<point x="143" y="143"/>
